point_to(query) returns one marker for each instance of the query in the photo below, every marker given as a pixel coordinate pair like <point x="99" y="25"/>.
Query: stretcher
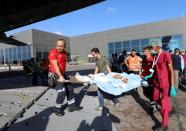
<point x="73" y="79"/>
<point x="109" y="84"/>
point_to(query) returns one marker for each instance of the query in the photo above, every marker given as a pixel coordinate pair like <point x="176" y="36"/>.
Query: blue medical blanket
<point x="116" y="86"/>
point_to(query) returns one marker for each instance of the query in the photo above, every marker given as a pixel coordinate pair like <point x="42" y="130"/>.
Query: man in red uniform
<point x="146" y="65"/>
<point x="163" y="80"/>
<point x="58" y="58"/>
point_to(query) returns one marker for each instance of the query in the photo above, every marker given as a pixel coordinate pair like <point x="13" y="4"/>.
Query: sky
<point x="110" y="14"/>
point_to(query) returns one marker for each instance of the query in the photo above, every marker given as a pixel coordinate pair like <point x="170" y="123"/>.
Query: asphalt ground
<point x="33" y="108"/>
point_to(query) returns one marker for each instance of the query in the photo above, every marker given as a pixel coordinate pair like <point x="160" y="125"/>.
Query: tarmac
<point x="24" y="107"/>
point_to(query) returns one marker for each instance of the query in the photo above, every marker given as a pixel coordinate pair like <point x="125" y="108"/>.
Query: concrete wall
<point x="41" y="41"/>
<point x="3" y="46"/>
<point x="24" y="36"/>
<point x="45" y="41"/>
<point x="81" y="45"/>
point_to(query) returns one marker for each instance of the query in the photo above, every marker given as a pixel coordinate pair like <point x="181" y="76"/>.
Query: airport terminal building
<point x="39" y="43"/>
<point x="172" y="33"/>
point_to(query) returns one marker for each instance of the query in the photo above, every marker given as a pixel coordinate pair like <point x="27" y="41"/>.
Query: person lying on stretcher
<point x="109" y="78"/>
<point x="113" y="83"/>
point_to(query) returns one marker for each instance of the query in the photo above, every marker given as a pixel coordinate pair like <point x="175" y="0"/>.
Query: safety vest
<point x="134" y="63"/>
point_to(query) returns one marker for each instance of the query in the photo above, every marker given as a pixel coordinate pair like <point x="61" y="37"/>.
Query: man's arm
<point x="125" y="80"/>
<point x="126" y="62"/>
<point x="170" y="68"/>
<point x="108" y="68"/>
<point x="140" y="65"/>
<point x="57" y="70"/>
<point x="96" y="70"/>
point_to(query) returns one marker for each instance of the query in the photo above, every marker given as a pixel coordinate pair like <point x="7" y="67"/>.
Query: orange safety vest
<point x="133" y="63"/>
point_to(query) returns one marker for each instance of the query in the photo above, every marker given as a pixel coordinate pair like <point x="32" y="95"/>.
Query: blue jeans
<point x="101" y="98"/>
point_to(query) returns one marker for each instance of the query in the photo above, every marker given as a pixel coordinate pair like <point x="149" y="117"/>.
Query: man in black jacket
<point x="176" y="63"/>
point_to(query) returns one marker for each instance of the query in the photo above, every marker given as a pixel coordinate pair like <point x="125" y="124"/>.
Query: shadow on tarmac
<point x="38" y="122"/>
<point x="100" y="123"/>
<point x="145" y="106"/>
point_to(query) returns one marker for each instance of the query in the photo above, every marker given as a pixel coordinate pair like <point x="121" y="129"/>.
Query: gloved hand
<point x="144" y="83"/>
<point x="147" y="77"/>
<point x="172" y="91"/>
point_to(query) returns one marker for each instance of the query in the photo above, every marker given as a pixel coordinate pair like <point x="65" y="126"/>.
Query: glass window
<point x="178" y="38"/>
<point x="126" y="44"/>
<point x="144" y="42"/>
<point x="10" y="54"/>
<point x="23" y="53"/>
<point x="14" y="54"/>
<point x="135" y="43"/>
<point x="1" y="56"/>
<point x="6" y="55"/>
<point x="110" y="45"/>
<point x="45" y="54"/>
<point x="173" y="46"/>
<point x="118" y="50"/>
<point x="29" y="52"/>
<point x="118" y="45"/>
<point x="19" y="53"/>
<point x="166" y="39"/>
<point x="127" y="49"/>
<point x="111" y="51"/>
<point x="39" y="55"/>
<point x="137" y="49"/>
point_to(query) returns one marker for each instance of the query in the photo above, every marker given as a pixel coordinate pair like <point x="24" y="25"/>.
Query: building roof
<point x="18" y="13"/>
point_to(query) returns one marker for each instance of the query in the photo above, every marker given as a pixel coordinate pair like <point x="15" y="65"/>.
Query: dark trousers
<point x="148" y="92"/>
<point x="134" y="72"/>
<point x="65" y="89"/>
<point x="100" y="94"/>
<point x="44" y="77"/>
<point x="35" y="78"/>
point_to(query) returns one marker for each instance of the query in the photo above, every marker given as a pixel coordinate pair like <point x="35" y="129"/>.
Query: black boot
<point x="74" y="108"/>
<point x="58" y="111"/>
<point x="154" y="106"/>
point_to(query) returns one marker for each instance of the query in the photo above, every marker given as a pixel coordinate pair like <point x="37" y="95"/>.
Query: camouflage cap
<point x="155" y="42"/>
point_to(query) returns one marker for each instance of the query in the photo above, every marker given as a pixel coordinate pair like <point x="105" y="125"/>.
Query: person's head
<point x="124" y="52"/>
<point x="133" y="52"/>
<point x="95" y="52"/>
<point x="60" y="45"/>
<point x="170" y="51"/>
<point x="32" y="59"/>
<point x="182" y="52"/>
<point x="147" y="51"/>
<point x="156" y="45"/>
<point x="176" y="51"/>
